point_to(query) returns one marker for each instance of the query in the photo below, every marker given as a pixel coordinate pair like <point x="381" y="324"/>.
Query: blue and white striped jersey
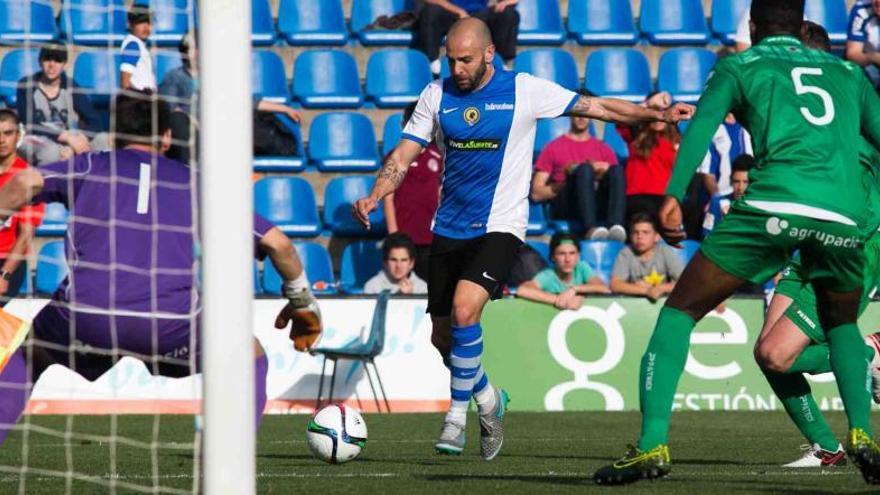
<point x="487" y="136"/>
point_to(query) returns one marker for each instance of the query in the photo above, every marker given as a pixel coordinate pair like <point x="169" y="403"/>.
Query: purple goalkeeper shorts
<point x="85" y="342"/>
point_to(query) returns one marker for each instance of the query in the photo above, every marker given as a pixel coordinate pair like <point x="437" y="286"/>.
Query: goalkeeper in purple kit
<point x="132" y="288"/>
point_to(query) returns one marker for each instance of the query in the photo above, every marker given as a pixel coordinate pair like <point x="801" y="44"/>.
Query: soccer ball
<point x="337" y="434"/>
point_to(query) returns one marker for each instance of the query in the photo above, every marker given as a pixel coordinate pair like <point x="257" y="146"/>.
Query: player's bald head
<point x="470" y="32"/>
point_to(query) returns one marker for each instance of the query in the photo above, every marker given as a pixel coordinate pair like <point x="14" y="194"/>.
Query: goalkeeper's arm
<point x="302" y="308"/>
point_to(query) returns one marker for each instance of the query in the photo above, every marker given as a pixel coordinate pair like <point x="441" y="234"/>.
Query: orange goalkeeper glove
<point x="304" y="315"/>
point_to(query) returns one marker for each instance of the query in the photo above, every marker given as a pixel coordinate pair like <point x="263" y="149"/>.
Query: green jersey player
<point x="805" y="110"/>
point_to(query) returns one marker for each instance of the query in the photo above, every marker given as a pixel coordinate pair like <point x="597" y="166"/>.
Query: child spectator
<point x="645" y="267"/>
<point x="136" y="68"/>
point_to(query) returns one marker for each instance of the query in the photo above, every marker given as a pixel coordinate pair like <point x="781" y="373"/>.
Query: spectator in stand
<point x="863" y="38"/>
<point x="720" y="204"/>
<point x="646" y="267"/>
<point x="571" y="171"/>
<point x="398" y="260"/>
<point x="17" y="232"/>
<point x="565" y="284"/>
<point x="652" y="150"/>
<point x="410" y="209"/>
<point x="437" y="16"/>
<point x="136" y="67"/>
<point x="57" y="114"/>
<point x="729" y="142"/>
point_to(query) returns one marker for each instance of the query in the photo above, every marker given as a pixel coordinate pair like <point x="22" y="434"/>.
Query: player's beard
<point x="472" y="82"/>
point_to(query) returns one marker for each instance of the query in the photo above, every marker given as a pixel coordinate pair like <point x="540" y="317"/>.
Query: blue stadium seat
<point x="54" y="220"/>
<point x="361" y="260"/>
<point x="98" y="73"/>
<point x="674" y="22"/>
<point x="171" y="20"/>
<point x="289" y="203"/>
<point x="327" y="79"/>
<point x="832" y="15"/>
<point x="542" y="248"/>
<point x="539" y="23"/>
<point x="319" y="270"/>
<point x="262" y="24"/>
<point x="619" y="73"/>
<point x="258" y="286"/>
<point x="396" y="77"/>
<point x="688" y="249"/>
<point x="683" y="72"/>
<point x="343" y="141"/>
<point x="537" y="222"/>
<point x="93" y="22"/>
<point x="725" y="18"/>
<point x="364" y="12"/>
<point x="391" y="132"/>
<point x="602" y="22"/>
<point x="600" y="255"/>
<point x="444" y="65"/>
<point x="339" y="195"/>
<point x="307" y="22"/>
<point x="284" y="163"/>
<point x="550" y="129"/>
<point x="612" y="138"/>
<point x="554" y="64"/>
<point x="51" y="267"/>
<point x="22" y="21"/>
<point x="267" y="76"/>
<point x="165" y="61"/>
<point x="15" y="65"/>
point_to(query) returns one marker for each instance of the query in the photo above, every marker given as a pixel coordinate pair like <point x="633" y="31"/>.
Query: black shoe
<point x="865" y="454"/>
<point x="634" y="466"/>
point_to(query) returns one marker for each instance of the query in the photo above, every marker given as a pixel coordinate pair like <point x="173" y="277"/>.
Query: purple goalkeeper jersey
<point x="130" y="239"/>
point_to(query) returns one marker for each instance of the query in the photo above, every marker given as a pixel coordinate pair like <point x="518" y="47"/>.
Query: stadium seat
<point x="683" y="72"/>
<point x="600" y="255"/>
<point x="396" y="77"/>
<point x="327" y="79"/>
<point x="262" y="24"/>
<point x="319" y="270"/>
<point x="725" y="18"/>
<point x="444" y="65"/>
<point x="554" y="64"/>
<point x="289" y="203"/>
<point x="15" y="65"/>
<point x="284" y="163"/>
<point x="342" y="141"/>
<point x="307" y="22"/>
<point x="619" y="73"/>
<point x="339" y="195"/>
<point x="54" y="220"/>
<point x="267" y="76"/>
<point x="98" y="73"/>
<point x="674" y="22"/>
<point x="832" y="15"/>
<point x="51" y="267"/>
<point x="539" y="23"/>
<point x="93" y="22"/>
<point x="170" y="21"/>
<point x="542" y="248"/>
<point x="391" y="132"/>
<point x="361" y="260"/>
<point x="165" y="61"/>
<point x="537" y="222"/>
<point x="22" y="21"/>
<point x="688" y="249"/>
<point x="550" y="129"/>
<point x="612" y="138"/>
<point x="364" y="12"/>
<point x="602" y="22"/>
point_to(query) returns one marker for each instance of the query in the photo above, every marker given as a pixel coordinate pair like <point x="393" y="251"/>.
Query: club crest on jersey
<point x="471" y="115"/>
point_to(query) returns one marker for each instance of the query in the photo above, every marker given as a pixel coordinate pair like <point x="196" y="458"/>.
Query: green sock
<point x="815" y="359"/>
<point x="661" y="368"/>
<point x="794" y="393"/>
<point x="851" y="371"/>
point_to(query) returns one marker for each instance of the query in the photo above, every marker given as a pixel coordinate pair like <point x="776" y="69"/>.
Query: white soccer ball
<point x="337" y="434"/>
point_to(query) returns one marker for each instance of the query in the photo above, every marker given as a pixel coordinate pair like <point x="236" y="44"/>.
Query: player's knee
<point x="464" y="313"/>
<point x="772" y="358"/>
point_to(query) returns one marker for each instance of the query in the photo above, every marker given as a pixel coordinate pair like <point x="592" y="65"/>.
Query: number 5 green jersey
<point x="805" y="110"/>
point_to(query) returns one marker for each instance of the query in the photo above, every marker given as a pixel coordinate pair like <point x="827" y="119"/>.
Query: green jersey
<point x="804" y="110"/>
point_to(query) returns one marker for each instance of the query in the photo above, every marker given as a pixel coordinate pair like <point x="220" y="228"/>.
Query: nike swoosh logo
<point x="489" y="277"/>
<point x="447" y="110"/>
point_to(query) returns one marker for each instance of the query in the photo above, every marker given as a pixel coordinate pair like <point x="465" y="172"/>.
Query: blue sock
<point x="467" y="351"/>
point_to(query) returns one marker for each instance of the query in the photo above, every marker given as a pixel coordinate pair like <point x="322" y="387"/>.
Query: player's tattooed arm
<point x="624" y="112"/>
<point x="19" y="191"/>
<point x="389" y="179"/>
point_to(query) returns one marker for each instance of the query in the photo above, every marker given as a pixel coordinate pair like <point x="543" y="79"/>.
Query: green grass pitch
<point x="712" y="452"/>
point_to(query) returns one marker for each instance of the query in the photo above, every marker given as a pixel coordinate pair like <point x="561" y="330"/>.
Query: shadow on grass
<point x="571" y="480"/>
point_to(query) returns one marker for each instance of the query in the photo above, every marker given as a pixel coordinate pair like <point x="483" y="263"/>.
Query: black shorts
<point x="484" y="260"/>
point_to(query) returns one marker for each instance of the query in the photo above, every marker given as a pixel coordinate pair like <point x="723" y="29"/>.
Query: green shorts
<point x="755" y="245"/>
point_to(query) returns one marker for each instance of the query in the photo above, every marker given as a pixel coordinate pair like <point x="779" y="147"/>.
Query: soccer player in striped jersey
<point x="130" y="247"/>
<point x="485" y="121"/>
